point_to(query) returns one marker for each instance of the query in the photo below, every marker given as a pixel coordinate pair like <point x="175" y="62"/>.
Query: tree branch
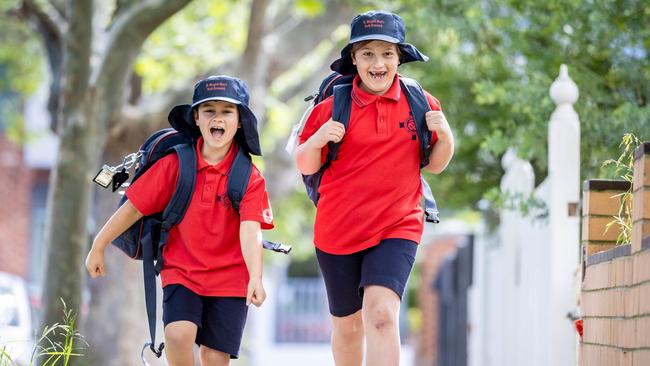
<point x="127" y="34"/>
<point x="291" y="40"/>
<point x="77" y="46"/>
<point x="51" y="28"/>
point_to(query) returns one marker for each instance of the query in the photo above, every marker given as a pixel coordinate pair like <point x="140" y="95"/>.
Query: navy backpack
<point x="341" y="87"/>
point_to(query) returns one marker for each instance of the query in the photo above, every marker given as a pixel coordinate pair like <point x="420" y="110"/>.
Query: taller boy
<point x="213" y="259"/>
<point x="369" y="218"/>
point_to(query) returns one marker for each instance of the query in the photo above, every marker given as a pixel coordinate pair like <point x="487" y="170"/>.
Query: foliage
<point x="492" y="64"/>
<point x="57" y="344"/>
<point x="623" y="167"/>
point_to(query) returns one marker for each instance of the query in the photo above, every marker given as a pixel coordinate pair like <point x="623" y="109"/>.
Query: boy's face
<point x="218" y="122"/>
<point x="376" y="63"/>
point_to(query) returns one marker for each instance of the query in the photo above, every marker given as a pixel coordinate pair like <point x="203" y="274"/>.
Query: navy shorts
<point x="220" y="320"/>
<point x="387" y="264"/>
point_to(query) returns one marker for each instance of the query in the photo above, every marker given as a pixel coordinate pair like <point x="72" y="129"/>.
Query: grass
<point x="57" y="344"/>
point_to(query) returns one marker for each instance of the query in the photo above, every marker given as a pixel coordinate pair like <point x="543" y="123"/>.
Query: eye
<point x="389" y="54"/>
<point x="367" y="54"/>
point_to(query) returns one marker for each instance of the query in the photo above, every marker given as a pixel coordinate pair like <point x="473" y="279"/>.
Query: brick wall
<point x="615" y="299"/>
<point x="15" y="189"/>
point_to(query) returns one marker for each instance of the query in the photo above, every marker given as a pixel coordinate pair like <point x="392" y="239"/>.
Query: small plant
<point x="624" y="169"/>
<point x="57" y="344"/>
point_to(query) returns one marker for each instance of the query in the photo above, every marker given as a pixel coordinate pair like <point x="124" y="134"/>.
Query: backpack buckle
<point x="431" y="216"/>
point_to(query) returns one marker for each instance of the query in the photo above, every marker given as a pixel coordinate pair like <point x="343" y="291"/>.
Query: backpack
<point x="146" y="239"/>
<point x="341" y="87"/>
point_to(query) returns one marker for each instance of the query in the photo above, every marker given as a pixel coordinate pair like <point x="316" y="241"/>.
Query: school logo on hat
<point x="377" y="25"/>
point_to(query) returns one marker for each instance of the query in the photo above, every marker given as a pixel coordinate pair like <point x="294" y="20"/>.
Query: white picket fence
<point x="525" y="273"/>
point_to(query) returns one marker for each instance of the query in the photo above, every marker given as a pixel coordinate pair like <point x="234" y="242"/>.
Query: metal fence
<point x="302" y="313"/>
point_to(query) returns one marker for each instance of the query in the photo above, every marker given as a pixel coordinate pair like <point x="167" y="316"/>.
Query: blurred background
<point x="83" y="83"/>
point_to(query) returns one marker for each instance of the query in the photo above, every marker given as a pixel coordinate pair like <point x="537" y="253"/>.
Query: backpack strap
<point x="172" y="215"/>
<point x="341" y="108"/>
<point x="419" y="106"/>
<point x="238" y="177"/>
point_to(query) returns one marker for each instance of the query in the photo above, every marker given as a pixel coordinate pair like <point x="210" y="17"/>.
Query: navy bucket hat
<point x="228" y="89"/>
<point x="377" y="25"/>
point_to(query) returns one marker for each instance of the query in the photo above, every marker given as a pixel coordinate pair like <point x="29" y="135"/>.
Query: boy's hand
<point x="436" y="122"/>
<point x="329" y="131"/>
<point x="95" y="263"/>
<point x="256" y="294"/>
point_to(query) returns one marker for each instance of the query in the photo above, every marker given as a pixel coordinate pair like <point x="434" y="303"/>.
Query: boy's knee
<point x="179" y="335"/>
<point x="349" y="326"/>
<point x="211" y="356"/>
<point x="380" y="316"/>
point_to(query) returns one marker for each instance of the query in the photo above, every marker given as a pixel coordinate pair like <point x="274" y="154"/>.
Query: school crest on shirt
<point x="408" y="125"/>
<point x="224" y="200"/>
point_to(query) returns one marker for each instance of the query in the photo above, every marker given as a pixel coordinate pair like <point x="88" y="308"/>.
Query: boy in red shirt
<point x="369" y="218"/>
<point x="213" y="259"/>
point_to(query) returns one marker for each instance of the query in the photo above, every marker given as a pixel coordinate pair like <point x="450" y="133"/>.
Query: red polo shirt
<point x="203" y="252"/>
<point x="372" y="190"/>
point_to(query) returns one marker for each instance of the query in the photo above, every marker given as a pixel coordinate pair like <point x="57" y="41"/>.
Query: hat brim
<point x="181" y="119"/>
<point x="344" y="65"/>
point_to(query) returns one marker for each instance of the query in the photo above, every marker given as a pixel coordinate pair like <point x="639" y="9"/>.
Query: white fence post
<point x="564" y="188"/>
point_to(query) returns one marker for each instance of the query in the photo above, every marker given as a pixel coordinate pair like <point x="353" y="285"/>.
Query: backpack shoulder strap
<point x="341" y="108"/>
<point x="419" y="105"/>
<point x="238" y="177"/>
<point x="172" y="215"/>
<point x="182" y="196"/>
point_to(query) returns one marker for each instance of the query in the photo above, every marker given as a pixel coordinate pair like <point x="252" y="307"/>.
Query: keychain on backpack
<point x="117" y="176"/>
<point x="292" y="142"/>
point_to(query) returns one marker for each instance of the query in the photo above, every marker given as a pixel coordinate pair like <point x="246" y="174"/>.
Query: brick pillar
<point x="601" y="202"/>
<point x="641" y="198"/>
<point x="15" y="190"/>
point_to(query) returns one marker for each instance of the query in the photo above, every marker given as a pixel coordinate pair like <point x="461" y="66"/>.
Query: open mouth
<point x="217" y="132"/>
<point x="377" y="75"/>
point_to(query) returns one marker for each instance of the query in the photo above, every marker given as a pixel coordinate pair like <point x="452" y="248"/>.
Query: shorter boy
<point x="213" y="259"/>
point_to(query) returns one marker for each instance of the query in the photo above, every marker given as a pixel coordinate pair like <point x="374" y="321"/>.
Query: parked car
<point x="16" y="335"/>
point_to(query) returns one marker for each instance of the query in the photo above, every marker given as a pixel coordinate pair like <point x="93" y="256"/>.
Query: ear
<point x="195" y="115"/>
<point x="354" y="61"/>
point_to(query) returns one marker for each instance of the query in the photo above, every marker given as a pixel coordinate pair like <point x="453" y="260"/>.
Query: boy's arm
<point x="250" y="236"/>
<point x="443" y="149"/>
<point x="308" y="154"/>
<point x="121" y="220"/>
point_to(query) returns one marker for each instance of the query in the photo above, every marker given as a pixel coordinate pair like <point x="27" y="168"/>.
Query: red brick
<point x="641" y="267"/>
<point x="640" y="230"/>
<point x="607" y="203"/>
<point x="594" y="228"/>
<point x="641" y="358"/>
<point x="643" y="332"/>
<point x="642" y="174"/>
<point x="641" y="204"/>
<point x="632" y="301"/>
<point x="15" y="210"/>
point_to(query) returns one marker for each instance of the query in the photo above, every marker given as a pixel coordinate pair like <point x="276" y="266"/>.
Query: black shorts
<point x="220" y="320"/>
<point x="387" y="264"/>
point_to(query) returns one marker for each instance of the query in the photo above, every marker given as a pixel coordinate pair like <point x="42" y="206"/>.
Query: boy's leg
<point x="342" y="274"/>
<point x="179" y="342"/>
<point x="222" y="329"/>
<point x="381" y="320"/>
<point x="212" y="357"/>
<point x="385" y="270"/>
<point x="347" y="339"/>
<point x="182" y="310"/>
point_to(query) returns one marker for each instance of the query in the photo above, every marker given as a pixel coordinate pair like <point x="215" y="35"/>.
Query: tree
<point x="97" y="105"/>
<point x="492" y="64"/>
